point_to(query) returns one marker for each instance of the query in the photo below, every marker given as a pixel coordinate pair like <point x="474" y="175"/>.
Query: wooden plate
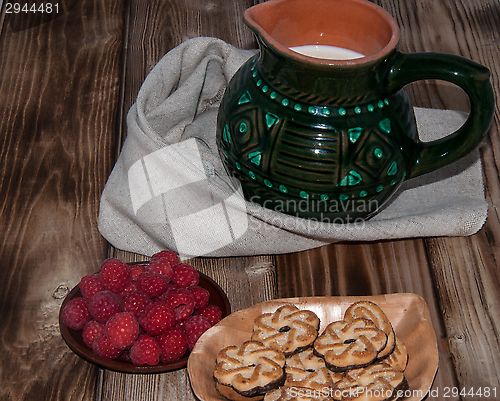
<point x="75" y="342"/>
<point x="408" y="314"/>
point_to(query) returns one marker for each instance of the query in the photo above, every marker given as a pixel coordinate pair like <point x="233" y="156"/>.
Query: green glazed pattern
<point x="334" y="141"/>
<point x="314" y="160"/>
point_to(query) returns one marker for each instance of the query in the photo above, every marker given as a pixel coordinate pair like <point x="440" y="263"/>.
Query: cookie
<point x="296" y="394"/>
<point x="288" y="329"/>
<point x="352" y="344"/>
<point x="250" y="369"/>
<point x="371" y="311"/>
<point x="398" y="358"/>
<point x="230" y="394"/>
<point x="377" y="382"/>
<point x="305" y="369"/>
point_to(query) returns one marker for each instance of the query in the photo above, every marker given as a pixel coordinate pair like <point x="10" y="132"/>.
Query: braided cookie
<point x="398" y="359"/>
<point x="250" y="369"/>
<point x="307" y="370"/>
<point x="371" y="311"/>
<point x="288" y="329"/>
<point x="296" y="394"/>
<point x="347" y="345"/>
<point x="377" y="382"/>
<point x="230" y="394"/>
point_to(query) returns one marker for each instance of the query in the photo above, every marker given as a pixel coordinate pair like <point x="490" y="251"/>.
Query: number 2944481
<point x="25" y="8"/>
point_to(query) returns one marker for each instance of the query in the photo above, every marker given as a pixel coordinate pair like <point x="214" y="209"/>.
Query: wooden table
<point x="65" y="88"/>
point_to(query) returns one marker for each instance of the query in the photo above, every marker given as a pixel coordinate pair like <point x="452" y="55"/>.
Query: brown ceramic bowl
<point x="75" y="342"/>
<point x="408" y="314"/>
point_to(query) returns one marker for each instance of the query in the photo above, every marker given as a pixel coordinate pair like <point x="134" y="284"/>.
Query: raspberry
<point x="129" y="288"/>
<point x="103" y="348"/>
<point x="90" y="285"/>
<point x="136" y="270"/>
<point x="173" y="345"/>
<point x="195" y="326"/>
<point x="201" y="296"/>
<point x="170" y="287"/>
<point x="76" y="314"/>
<point x="103" y="305"/>
<point x="182" y="301"/>
<point x="152" y="284"/>
<point x="157" y="318"/>
<point x="135" y="302"/>
<point x="180" y="326"/>
<point x="161" y="266"/>
<point x="171" y="256"/>
<point x="145" y="351"/>
<point x="212" y="313"/>
<point x="185" y="276"/>
<point x="115" y="275"/>
<point x="122" y="330"/>
<point x="91" y="332"/>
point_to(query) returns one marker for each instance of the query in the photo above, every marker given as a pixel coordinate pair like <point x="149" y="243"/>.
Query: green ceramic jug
<point x="333" y="139"/>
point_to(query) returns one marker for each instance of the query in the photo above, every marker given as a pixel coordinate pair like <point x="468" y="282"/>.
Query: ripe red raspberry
<point x="135" y="302"/>
<point x="129" y="288"/>
<point x="171" y="256"/>
<point x="185" y="276"/>
<point x="76" y="313"/>
<point x="122" y="330"/>
<point x="180" y="326"/>
<point x="145" y="351"/>
<point x="91" y="332"/>
<point x="201" y="296"/>
<point x="195" y="326"/>
<point x="90" y="285"/>
<point x="115" y="275"/>
<point x="152" y="284"/>
<point x="103" y="348"/>
<point x="212" y="313"/>
<point x="157" y="318"/>
<point x="170" y="287"/>
<point x="173" y="345"/>
<point x="182" y="301"/>
<point x="103" y="305"/>
<point x="161" y="266"/>
<point x="136" y="270"/>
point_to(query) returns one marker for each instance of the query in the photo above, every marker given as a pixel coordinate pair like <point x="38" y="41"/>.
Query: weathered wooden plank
<point x="246" y="280"/>
<point x="459" y="27"/>
<point x="465" y="269"/>
<point x="59" y="85"/>
<point x="149" y="39"/>
<point x="368" y="269"/>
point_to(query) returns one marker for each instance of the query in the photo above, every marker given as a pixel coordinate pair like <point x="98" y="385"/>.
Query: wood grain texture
<point x="65" y="89"/>
<point x="246" y="281"/>
<point x="149" y="39"/>
<point x="464" y="271"/>
<point x="58" y="101"/>
<point x="368" y="269"/>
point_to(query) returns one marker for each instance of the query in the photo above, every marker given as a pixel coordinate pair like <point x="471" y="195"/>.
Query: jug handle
<point x="473" y="78"/>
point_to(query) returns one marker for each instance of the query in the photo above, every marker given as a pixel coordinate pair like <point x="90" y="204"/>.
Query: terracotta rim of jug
<point x="281" y="24"/>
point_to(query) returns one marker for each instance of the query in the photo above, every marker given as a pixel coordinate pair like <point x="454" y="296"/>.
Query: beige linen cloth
<point x="169" y="189"/>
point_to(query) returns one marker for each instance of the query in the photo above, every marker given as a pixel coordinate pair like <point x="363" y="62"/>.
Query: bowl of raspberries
<point x="141" y="317"/>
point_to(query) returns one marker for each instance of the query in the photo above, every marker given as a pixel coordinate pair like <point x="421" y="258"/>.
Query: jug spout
<point x="280" y="25"/>
<point x="343" y="23"/>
